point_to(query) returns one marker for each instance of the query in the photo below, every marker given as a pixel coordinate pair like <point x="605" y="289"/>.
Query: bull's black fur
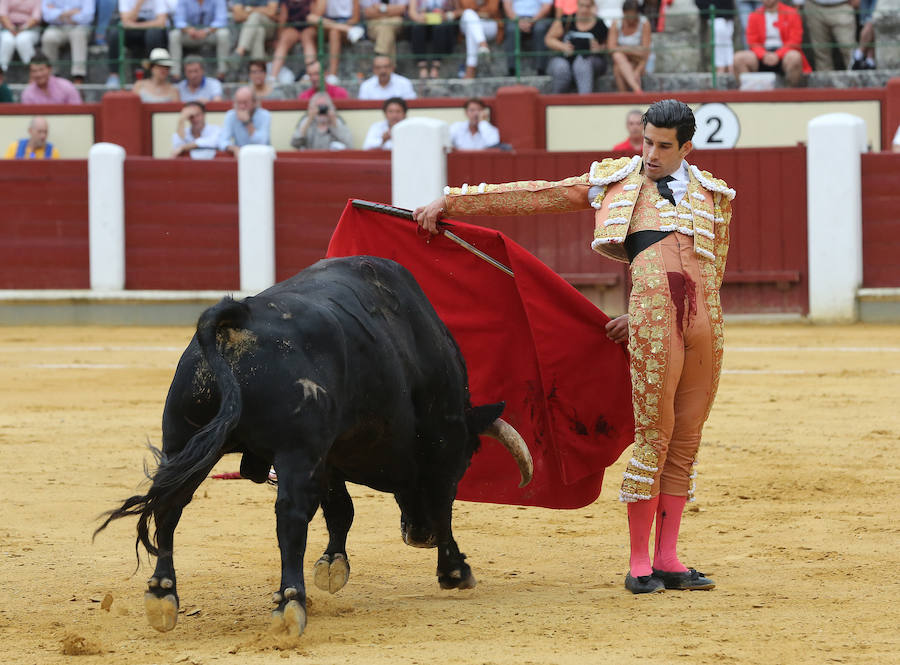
<point x="342" y="373"/>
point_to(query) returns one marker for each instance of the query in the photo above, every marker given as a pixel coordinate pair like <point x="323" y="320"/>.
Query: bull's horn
<point x="515" y="444"/>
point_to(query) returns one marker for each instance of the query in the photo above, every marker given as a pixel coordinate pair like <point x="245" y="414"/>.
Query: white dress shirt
<point x="373" y="137"/>
<point x="463" y="139"/>
<point x="398" y="86"/>
<point x="207" y="142"/>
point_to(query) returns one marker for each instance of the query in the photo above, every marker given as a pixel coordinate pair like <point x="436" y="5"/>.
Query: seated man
<point x="193" y="136"/>
<point x="774" y="36"/>
<point x="379" y="135"/>
<point x="532" y="18"/>
<point x="384" y="21"/>
<point x="36" y="145"/>
<point x="68" y="21"/>
<point x="196" y="86"/>
<point x="257" y="19"/>
<point x="144" y="25"/>
<point x="245" y="124"/>
<point x="198" y="24"/>
<point x="314" y="72"/>
<point x="384" y="83"/>
<point x="321" y="128"/>
<point x="475" y="132"/>
<point x="635" y="141"/>
<point x="46" y="88"/>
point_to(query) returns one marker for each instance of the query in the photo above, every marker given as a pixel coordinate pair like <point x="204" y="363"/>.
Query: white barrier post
<point x="256" y="216"/>
<point x="834" y="215"/>
<point x="418" y="161"/>
<point x="106" y="216"/>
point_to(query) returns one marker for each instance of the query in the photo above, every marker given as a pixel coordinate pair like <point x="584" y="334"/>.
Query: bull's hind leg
<point x="161" y="599"/>
<point x="333" y="568"/>
<point x="297" y="502"/>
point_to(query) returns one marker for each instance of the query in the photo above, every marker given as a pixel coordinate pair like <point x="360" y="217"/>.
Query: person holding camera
<point x="192" y="135"/>
<point x="321" y="128"/>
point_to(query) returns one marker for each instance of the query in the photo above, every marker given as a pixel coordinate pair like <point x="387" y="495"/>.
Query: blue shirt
<point x="208" y="90"/>
<point x="234" y="129"/>
<point x="51" y="10"/>
<point x="528" y="7"/>
<point x="211" y="14"/>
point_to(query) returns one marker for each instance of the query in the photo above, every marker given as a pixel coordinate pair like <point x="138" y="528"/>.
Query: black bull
<point x="342" y="373"/>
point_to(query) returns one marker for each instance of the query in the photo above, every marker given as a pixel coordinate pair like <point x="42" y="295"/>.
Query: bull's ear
<point x="479" y="418"/>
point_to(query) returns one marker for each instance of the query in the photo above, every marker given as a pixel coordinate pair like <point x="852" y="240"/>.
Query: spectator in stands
<point x="864" y="55"/>
<point x="196" y="86"/>
<point x="433" y="32"/>
<point x="479" y="22"/>
<point x="314" y="72"/>
<point x="379" y="135"/>
<point x="68" y="21"/>
<point x="774" y="36"/>
<point x="46" y="88"/>
<point x="144" y="25"/>
<point x="384" y="83"/>
<point x="581" y="39"/>
<point x="475" y="132"/>
<point x="341" y="13"/>
<point x="831" y="24"/>
<point x="566" y="7"/>
<point x="6" y="96"/>
<point x="260" y="84"/>
<point x="723" y="32"/>
<point x="246" y="123"/>
<point x="257" y="19"/>
<point x="197" y="24"/>
<point x="635" y="141"/>
<point x="532" y="19"/>
<point x="321" y="128"/>
<point x="103" y="11"/>
<point x="384" y="21"/>
<point x="193" y="136"/>
<point x="295" y="24"/>
<point x="745" y="8"/>
<point x="21" y="22"/>
<point x="36" y="145"/>
<point x="157" y="89"/>
<point x="629" y="43"/>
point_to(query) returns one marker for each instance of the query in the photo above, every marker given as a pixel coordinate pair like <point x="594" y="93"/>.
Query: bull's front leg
<point x="452" y="570"/>
<point x="295" y="506"/>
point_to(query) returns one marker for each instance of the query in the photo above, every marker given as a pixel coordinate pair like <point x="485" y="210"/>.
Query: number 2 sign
<point x="717" y="127"/>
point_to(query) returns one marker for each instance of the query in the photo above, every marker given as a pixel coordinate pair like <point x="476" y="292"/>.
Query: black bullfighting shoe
<point x="643" y="584"/>
<point x="689" y="580"/>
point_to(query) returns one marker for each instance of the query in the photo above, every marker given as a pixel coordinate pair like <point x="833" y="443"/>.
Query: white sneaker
<point x="355" y="33"/>
<point x="331" y="79"/>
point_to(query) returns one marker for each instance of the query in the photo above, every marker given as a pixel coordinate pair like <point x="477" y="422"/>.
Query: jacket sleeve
<point x="723" y="234"/>
<point x="791" y="29"/>
<point x="520" y="198"/>
<point x="756" y="34"/>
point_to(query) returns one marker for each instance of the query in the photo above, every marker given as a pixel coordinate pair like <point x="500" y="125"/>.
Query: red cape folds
<point x="532" y="341"/>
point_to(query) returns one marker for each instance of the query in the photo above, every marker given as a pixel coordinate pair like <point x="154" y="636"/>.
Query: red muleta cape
<point x="530" y="340"/>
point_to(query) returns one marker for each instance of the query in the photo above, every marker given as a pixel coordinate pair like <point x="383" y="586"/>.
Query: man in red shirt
<point x="634" y="144"/>
<point x="314" y="71"/>
<point x="774" y="38"/>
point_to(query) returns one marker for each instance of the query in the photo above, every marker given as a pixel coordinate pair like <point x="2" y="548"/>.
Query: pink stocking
<point x="668" y="522"/>
<point x="640" y="519"/>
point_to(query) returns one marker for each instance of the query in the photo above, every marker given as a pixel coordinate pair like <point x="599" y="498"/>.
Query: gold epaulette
<point x="613" y="170"/>
<point x="713" y="184"/>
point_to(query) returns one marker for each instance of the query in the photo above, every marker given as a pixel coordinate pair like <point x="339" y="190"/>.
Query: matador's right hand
<point x="617" y="329"/>
<point x="428" y="216"/>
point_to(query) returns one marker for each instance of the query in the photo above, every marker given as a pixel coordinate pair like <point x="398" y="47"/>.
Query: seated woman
<point x="629" y="43"/>
<point x="158" y="88"/>
<point x="480" y="21"/>
<point x="342" y="18"/>
<point x="581" y="39"/>
<point x="434" y="20"/>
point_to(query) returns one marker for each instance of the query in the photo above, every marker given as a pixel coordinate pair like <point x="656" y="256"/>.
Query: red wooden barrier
<point x="181" y="224"/>
<point x="881" y="219"/>
<point x="311" y="192"/>
<point x="44" y="225"/>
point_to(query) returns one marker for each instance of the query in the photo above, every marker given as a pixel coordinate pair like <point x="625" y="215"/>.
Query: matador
<point x="669" y="220"/>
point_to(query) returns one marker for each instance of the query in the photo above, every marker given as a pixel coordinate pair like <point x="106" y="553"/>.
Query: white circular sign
<point x="717" y="127"/>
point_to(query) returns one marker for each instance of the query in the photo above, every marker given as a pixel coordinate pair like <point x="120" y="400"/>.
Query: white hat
<point x="160" y="56"/>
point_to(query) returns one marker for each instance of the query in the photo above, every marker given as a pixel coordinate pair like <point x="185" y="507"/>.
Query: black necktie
<point x="663" y="186"/>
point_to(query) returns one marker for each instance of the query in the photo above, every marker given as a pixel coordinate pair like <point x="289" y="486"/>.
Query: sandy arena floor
<point x="797" y="497"/>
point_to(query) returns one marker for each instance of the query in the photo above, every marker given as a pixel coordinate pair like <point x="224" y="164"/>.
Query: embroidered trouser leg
<point x="675" y="361"/>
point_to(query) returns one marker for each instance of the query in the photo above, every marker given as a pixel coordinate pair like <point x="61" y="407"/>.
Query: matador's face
<point x="662" y="154"/>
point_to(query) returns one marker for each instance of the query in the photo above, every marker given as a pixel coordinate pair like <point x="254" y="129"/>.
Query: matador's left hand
<point x="617" y="329"/>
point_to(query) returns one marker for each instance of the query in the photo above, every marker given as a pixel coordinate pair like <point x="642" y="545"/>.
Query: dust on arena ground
<point x="795" y="520"/>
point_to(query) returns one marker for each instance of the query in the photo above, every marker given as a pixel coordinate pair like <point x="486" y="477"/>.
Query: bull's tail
<point x="181" y="473"/>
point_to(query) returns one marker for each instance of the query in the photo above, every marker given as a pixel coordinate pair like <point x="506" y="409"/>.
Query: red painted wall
<point x="44" y="225"/>
<point x="881" y="219"/>
<point x="181" y="224"/>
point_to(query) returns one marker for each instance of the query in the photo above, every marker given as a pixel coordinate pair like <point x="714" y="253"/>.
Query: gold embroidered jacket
<point x="611" y="188"/>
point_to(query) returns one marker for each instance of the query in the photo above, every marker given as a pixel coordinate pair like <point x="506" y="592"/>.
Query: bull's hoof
<point x="458" y="579"/>
<point x="291" y="620"/>
<point x="162" y="611"/>
<point x="332" y="572"/>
